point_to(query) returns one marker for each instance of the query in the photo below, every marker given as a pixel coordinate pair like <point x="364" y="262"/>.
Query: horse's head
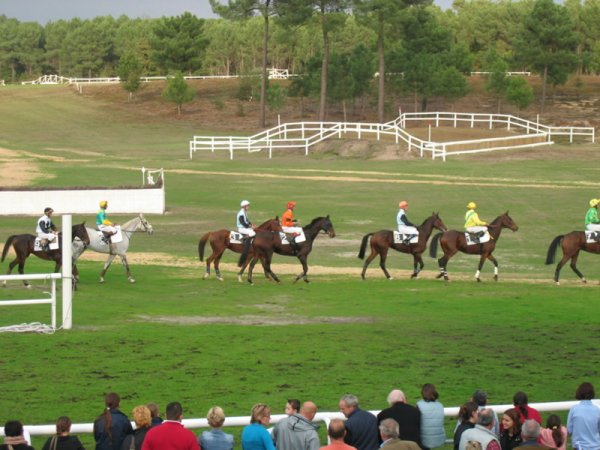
<point x="274" y="225"/>
<point x="326" y="225"/>
<point x="79" y="231"/>
<point x="507" y="222"/>
<point x="438" y="222"/>
<point x="144" y="225"/>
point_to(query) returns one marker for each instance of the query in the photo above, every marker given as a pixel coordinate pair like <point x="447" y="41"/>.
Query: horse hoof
<point x="584" y="281"/>
<point x="557" y="283"/>
<point x="240" y="279"/>
<point x="439" y="276"/>
<point x="101" y="280"/>
<point x="220" y="278"/>
<point x="28" y="286"/>
<point x="390" y="278"/>
<point x="478" y="280"/>
<point x="206" y="275"/>
<point x="495" y="277"/>
<point x="131" y="280"/>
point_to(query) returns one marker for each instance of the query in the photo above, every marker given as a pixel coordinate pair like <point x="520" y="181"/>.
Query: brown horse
<point x="571" y="243"/>
<point x="263" y="247"/>
<point x="383" y="240"/>
<point x="453" y="241"/>
<point x="23" y="245"/>
<point x="219" y="242"/>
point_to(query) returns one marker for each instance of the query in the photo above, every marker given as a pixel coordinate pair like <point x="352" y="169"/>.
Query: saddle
<point x="111" y="238"/>
<point x="236" y="237"/>
<point x="38" y="247"/>
<point x="298" y="239"/>
<point x="477" y="238"/>
<point x="592" y="236"/>
<point x="402" y="238"/>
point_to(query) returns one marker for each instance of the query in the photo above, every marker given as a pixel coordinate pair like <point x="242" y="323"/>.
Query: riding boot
<point x="292" y="240"/>
<point x="408" y="238"/>
<point x="106" y="238"/>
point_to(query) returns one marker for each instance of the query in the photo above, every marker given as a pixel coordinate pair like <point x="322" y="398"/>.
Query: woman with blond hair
<point x="142" y="416"/>
<point x="255" y="436"/>
<point x="215" y="439"/>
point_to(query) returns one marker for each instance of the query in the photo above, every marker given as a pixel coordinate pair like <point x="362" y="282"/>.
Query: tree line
<point x="335" y="46"/>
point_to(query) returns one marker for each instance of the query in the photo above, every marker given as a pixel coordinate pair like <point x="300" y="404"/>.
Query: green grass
<point x="173" y="335"/>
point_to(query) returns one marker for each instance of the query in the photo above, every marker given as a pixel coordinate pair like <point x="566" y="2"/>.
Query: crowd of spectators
<point x="401" y="426"/>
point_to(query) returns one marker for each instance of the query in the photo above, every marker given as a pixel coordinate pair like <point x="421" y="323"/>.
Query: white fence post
<point x="67" y="272"/>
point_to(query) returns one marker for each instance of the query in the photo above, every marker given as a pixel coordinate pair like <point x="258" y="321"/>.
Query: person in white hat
<point x="473" y="224"/>
<point x="244" y="225"/>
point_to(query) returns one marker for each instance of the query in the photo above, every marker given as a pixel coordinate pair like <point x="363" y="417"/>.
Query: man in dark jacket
<point x="361" y="426"/>
<point x="407" y="416"/>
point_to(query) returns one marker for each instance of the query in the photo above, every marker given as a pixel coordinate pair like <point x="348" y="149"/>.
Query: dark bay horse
<point x="23" y="245"/>
<point x="264" y="247"/>
<point x="219" y="242"/>
<point x="383" y="240"/>
<point x="453" y="241"/>
<point x="571" y="243"/>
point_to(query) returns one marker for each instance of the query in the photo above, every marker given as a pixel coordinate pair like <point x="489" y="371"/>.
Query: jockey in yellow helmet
<point x="473" y="224"/>
<point x="592" y="222"/>
<point x="103" y="224"/>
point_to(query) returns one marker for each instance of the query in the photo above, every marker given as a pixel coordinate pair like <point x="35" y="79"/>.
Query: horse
<point x="219" y="242"/>
<point x="263" y="247"/>
<point x="571" y="243"/>
<point x="23" y="245"/>
<point x="453" y="241"/>
<point x="137" y="224"/>
<point x="383" y="240"/>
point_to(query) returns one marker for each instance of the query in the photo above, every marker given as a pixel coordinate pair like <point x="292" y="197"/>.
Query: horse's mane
<point x="427" y="219"/>
<point x="126" y="225"/>
<point x="498" y="219"/>
<point x="267" y="221"/>
<point x="314" y="221"/>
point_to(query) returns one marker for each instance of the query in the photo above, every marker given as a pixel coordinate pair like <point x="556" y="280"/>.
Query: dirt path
<point x="16" y="170"/>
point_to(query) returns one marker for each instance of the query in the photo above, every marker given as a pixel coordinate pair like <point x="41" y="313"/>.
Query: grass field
<point x="173" y="335"/>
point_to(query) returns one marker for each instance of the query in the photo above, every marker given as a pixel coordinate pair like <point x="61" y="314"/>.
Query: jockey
<point x="45" y="229"/>
<point x="244" y="225"/>
<point x="103" y="224"/>
<point x="473" y="224"/>
<point x="592" y="222"/>
<point x="404" y="225"/>
<point x="289" y="224"/>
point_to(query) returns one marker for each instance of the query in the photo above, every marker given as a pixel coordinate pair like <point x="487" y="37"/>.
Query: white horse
<point x="137" y="224"/>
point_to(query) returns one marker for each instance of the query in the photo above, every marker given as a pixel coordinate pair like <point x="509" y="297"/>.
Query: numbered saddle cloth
<point x="37" y="245"/>
<point x="399" y="238"/>
<point x="299" y="239"/>
<point x="235" y="237"/>
<point x="472" y="238"/>
<point x="115" y="238"/>
<point x="592" y="236"/>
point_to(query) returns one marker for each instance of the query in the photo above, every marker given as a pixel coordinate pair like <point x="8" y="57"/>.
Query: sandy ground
<point x="16" y="170"/>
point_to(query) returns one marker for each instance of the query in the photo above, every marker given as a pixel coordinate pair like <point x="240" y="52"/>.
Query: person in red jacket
<point x="170" y="435"/>
<point x="525" y="411"/>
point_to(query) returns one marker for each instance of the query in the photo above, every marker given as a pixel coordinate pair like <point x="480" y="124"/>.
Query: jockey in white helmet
<point x="244" y="225"/>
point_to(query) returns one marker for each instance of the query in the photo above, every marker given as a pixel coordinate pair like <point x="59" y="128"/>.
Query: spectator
<point x="407" y="416"/>
<point x="62" y="440"/>
<point x="482" y="432"/>
<point x="473" y="445"/>
<point x="170" y="435"/>
<point x="511" y="430"/>
<point x="433" y="434"/>
<point x="292" y="406"/>
<point x="467" y="418"/>
<point x="13" y="437"/>
<point x="583" y="421"/>
<point x="555" y="434"/>
<point x="111" y="427"/>
<point x="155" y="413"/>
<point x="525" y="411"/>
<point x="143" y="421"/>
<point x="530" y="433"/>
<point x="361" y="426"/>
<point x="297" y="432"/>
<point x="215" y="439"/>
<point x="481" y="398"/>
<point x="336" y="432"/>
<point x="255" y="436"/>
<point x="389" y="431"/>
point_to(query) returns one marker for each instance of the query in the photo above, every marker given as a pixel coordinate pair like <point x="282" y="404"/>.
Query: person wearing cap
<point x="45" y="229"/>
<point x="592" y="223"/>
<point x="103" y="224"/>
<point x="289" y="225"/>
<point x="473" y="224"/>
<point x="244" y="225"/>
<point x="405" y="226"/>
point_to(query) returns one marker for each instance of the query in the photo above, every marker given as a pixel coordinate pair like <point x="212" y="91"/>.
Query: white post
<point x="429" y="138"/>
<point x="67" y="272"/>
<point x="143" y="176"/>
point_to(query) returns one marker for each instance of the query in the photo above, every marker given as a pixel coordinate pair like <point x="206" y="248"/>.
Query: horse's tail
<point x="201" y="245"/>
<point x="552" y="249"/>
<point x="363" y="245"/>
<point x="434" y="245"/>
<point x="245" y="252"/>
<point x="7" y="246"/>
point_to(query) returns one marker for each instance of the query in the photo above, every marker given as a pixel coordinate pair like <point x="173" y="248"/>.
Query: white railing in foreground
<point x="39" y="301"/>
<point x="41" y="430"/>
<point x="303" y="135"/>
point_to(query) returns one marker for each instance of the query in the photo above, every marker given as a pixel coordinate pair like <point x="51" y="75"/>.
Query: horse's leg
<point x="267" y="266"/>
<point x="241" y="271"/>
<point x="367" y="262"/>
<point x="22" y="272"/>
<point x="126" y="267"/>
<point x="417" y="265"/>
<point x="442" y="263"/>
<point x="382" y="258"/>
<point x="217" y="260"/>
<point x="559" y="266"/>
<point x="106" y="266"/>
<point x="493" y="260"/>
<point x="575" y="269"/>
<point x="302" y="275"/>
<point x="11" y="266"/>
<point x="250" y="268"/>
